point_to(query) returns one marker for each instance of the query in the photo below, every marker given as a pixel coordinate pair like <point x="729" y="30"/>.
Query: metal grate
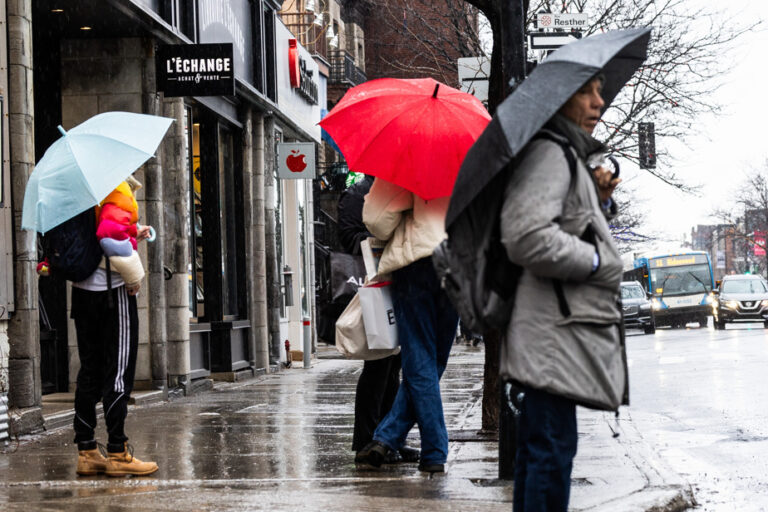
<point x="344" y="70"/>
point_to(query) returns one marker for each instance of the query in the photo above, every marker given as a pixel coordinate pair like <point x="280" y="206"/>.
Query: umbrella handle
<point x="152" y="233"/>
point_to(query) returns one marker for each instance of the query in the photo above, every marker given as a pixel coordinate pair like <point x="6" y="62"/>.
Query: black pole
<point x="513" y="65"/>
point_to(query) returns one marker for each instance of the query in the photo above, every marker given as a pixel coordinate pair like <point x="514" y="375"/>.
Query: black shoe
<point x="432" y="468"/>
<point x="409" y="454"/>
<point x="393" y="457"/>
<point x="373" y="454"/>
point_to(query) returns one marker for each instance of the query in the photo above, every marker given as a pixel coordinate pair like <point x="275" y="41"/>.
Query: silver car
<point x="637" y="307"/>
<point x="741" y="298"/>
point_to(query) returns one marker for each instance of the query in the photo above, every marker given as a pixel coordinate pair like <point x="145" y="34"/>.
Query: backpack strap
<point x="562" y="302"/>
<point x="565" y="146"/>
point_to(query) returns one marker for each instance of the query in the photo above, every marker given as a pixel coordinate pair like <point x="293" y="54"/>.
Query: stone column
<point x="249" y="219"/>
<point x="177" y="232"/>
<point x="23" y="329"/>
<point x="270" y="232"/>
<point x="260" y="310"/>
<point x="153" y="197"/>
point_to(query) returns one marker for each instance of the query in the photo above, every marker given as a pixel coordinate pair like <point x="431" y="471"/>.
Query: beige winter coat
<point x="412" y="226"/>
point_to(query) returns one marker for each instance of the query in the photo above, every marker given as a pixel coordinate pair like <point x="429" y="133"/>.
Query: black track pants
<point x="376" y="391"/>
<point x="107" y="342"/>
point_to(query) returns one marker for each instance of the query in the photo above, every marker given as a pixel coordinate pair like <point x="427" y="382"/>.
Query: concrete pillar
<point x="23" y="329"/>
<point x="260" y="310"/>
<point x="249" y="220"/>
<point x="177" y="232"/>
<point x="154" y="200"/>
<point x="270" y="232"/>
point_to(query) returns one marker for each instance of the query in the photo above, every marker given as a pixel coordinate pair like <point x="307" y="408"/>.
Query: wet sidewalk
<point x="282" y="442"/>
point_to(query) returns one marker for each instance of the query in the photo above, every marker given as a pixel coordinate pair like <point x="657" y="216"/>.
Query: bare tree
<point x="418" y="38"/>
<point x="687" y="57"/>
<point x="746" y="221"/>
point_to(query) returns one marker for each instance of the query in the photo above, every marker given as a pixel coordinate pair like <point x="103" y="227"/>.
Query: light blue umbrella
<point x="80" y="169"/>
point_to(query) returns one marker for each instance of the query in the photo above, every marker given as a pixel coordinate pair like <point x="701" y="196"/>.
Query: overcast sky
<point x="724" y="147"/>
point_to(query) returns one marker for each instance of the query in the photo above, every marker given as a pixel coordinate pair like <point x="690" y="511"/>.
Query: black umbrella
<point x="617" y="54"/>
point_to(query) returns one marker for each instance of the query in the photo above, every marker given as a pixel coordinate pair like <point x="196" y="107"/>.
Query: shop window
<point x="279" y="223"/>
<point x="228" y="208"/>
<point x="181" y="15"/>
<point x="270" y="74"/>
<point x="196" y="273"/>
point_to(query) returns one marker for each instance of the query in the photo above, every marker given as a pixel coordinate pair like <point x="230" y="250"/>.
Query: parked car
<point x="742" y="298"/>
<point x="638" y="313"/>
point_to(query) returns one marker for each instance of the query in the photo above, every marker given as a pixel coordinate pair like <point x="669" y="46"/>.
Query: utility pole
<point x="513" y="68"/>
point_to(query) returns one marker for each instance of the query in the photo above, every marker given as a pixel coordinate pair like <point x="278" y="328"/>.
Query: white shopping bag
<point x="350" y="335"/>
<point x="378" y="315"/>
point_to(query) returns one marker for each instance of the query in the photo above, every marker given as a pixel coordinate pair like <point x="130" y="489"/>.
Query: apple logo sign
<point x="295" y="161"/>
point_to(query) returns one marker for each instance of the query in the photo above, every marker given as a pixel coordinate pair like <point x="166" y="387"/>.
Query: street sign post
<point x="552" y="40"/>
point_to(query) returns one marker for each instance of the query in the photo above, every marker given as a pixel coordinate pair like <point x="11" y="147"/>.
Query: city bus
<point x="679" y="284"/>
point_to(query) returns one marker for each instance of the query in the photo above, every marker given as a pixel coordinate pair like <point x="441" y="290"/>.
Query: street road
<point x="700" y="397"/>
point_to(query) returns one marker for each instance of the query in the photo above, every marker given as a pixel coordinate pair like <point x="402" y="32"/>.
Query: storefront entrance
<point x="218" y="312"/>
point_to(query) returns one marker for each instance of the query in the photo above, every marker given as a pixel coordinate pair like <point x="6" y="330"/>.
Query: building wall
<point x="355" y="43"/>
<point x="23" y="329"/>
<point x="4" y="349"/>
<point x="100" y="75"/>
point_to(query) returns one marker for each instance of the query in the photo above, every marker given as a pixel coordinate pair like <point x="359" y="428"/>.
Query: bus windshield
<point x="681" y="280"/>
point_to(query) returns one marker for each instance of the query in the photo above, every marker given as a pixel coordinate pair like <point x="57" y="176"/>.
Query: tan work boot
<point x="90" y="462"/>
<point x="124" y="464"/>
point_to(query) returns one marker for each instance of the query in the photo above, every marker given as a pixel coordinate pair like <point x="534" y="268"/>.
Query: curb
<point x="664" y="491"/>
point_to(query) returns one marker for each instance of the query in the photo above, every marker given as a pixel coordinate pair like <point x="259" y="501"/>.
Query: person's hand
<point x="133" y="289"/>
<point x="606" y="183"/>
<point x="143" y="233"/>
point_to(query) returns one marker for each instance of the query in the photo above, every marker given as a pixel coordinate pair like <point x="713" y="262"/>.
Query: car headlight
<point x="709" y="299"/>
<point x="655" y="304"/>
<point x="732" y="304"/>
<point x="647" y="307"/>
<point x="764" y="303"/>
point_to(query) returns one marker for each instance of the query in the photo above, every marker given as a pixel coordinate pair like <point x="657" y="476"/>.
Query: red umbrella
<point x="411" y="132"/>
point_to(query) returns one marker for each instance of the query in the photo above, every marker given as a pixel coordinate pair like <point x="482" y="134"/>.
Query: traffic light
<point x="647" y="145"/>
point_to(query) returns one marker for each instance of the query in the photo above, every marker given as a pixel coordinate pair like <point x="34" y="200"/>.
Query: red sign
<point x="759" y="243"/>
<point x="293" y="63"/>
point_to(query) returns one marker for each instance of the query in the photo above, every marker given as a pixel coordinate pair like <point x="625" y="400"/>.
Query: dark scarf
<point x="584" y="144"/>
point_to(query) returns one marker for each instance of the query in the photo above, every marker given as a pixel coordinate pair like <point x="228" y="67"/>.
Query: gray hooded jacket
<point x="570" y="345"/>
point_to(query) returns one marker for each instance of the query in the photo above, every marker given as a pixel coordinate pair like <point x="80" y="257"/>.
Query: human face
<point x="584" y="107"/>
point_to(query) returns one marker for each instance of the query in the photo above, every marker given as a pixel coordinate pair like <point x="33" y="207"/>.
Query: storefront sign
<point x="301" y="76"/>
<point x="303" y="113"/>
<point x="759" y="243"/>
<point x="195" y="70"/>
<point x="296" y="160"/>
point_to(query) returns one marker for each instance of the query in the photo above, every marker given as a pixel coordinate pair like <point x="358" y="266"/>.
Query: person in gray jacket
<point x="564" y="345"/>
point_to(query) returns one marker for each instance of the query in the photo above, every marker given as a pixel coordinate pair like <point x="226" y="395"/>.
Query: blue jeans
<point x="546" y="446"/>
<point x="426" y="328"/>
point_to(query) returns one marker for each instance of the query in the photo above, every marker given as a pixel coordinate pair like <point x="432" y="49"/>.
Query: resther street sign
<point x="576" y="21"/>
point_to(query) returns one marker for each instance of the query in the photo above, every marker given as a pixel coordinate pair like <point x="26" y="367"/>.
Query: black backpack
<point x="72" y="249"/>
<point x="472" y="263"/>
